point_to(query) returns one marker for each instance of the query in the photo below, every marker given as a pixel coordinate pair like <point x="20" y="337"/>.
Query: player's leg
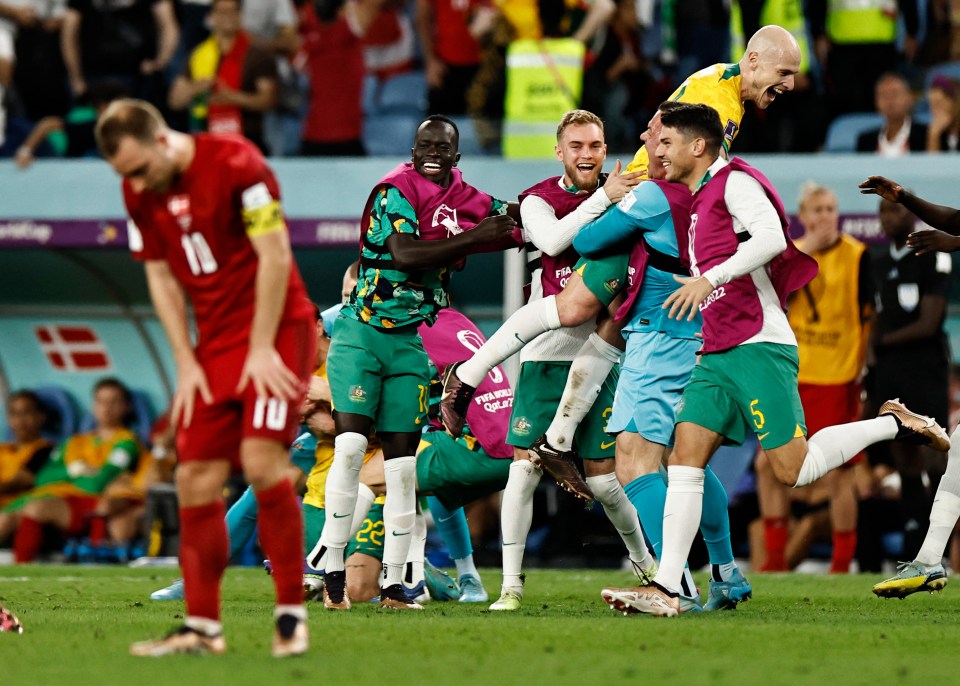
<point x="365" y="556"/>
<point x="33" y="516"/>
<point x="455" y="473"/>
<point x="774" y="498"/>
<point x="355" y="372"/>
<point x="401" y="418"/>
<point x="926" y="572"/>
<point x="575" y="305"/>
<point x="516" y="516"/>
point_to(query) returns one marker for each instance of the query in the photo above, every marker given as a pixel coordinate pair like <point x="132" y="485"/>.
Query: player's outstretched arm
<point x="938" y="216"/>
<point x="490" y="235"/>
<point x="264" y="367"/>
<point x="171" y="307"/>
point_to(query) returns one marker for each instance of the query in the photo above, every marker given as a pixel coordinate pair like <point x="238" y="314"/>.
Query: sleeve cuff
<point x="714" y="275"/>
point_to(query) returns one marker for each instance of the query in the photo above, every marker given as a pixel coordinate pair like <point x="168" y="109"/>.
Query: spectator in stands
<point x="941" y="41"/>
<point x="899" y="135"/>
<point x="228" y="82"/>
<point x="911" y="358"/>
<point x="72" y="135"/>
<point x="389" y="45"/>
<point x="702" y="31"/>
<point x="943" y="133"/>
<point x="31" y="28"/>
<point x="69" y="488"/>
<point x="129" y="40"/>
<point x="856" y="42"/>
<point x="333" y="32"/>
<point x="829" y="317"/>
<point x="24" y="456"/>
<point x="449" y="31"/>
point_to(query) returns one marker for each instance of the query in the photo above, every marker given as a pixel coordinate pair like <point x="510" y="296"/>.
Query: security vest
<point x="544" y="81"/>
<point x="862" y="21"/>
<point x="826" y="318"/>
<point x="787" y="14"/>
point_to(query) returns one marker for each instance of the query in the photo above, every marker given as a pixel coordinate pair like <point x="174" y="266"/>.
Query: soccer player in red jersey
<point x="205" y="219"/>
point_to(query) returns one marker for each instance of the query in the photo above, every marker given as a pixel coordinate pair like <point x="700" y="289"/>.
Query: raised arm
<point x="938" y="216"/>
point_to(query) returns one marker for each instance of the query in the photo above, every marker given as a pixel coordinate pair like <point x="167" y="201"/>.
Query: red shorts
<point x="81" y="507"/>
<point x="825" y="406"/>
<point x="216" y="430"/>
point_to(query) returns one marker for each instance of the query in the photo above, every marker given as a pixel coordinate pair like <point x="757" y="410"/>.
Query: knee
<point x="788" y="474"/>
<point x="575" y="311"/>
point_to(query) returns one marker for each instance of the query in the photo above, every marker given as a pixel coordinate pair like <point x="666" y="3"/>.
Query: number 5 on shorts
<point x="758" y="419"/>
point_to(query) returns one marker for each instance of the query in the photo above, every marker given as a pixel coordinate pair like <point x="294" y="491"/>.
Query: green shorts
<point x="369" y="540"/>
<point x="381" y="375"/>
<point x="313" y="520"/>
<point x="455" y="474"/>
<point x="535" y="402"/>
<point x="605" y="275"/>
<point x="748" y="387"/>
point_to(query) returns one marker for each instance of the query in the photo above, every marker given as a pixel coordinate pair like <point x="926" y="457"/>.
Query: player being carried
<point x="421" y="220"/>
<point x="743" y="267"/>
<point x="766" y="71"/>
<point x="205" y="218"/>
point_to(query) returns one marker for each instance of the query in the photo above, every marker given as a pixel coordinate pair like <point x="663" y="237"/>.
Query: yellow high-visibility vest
<point x="544" y="81"/>
<point x="862" y="21"/>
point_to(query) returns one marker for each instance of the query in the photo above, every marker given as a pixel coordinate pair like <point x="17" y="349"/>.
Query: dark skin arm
<point x="411" y="254"/>
<point x="938" y="216"/>
<point x="21" y="481"/>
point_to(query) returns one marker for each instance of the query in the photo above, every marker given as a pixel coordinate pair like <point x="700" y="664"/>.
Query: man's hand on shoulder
<point x="618" y="185"/>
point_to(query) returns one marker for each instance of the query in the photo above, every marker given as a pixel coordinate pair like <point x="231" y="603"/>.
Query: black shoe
<point x="454" y="401"/>
<point x="395" y="598"/>
<point x="335" y="591"/>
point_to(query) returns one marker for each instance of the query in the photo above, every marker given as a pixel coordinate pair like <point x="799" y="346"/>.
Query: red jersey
<point x="453" y="42"/>
<point x="336" y="70"/>
<point x="197" y="226"/>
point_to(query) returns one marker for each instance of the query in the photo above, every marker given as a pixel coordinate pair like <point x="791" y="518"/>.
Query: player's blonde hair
<point x="578" y="118"/>
<point x="137" y="119"/>
<point x="809" y="189"/>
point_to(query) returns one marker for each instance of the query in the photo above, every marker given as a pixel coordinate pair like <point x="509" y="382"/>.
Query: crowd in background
<point x="300" y="77"/>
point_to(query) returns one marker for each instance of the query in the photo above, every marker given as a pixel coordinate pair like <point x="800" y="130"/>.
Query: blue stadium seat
<point x="401" y="94"/>
<point x="469" y="143"/>
<point x="390" y="135"/>
<point x="948" y="69"/>
<point x="61" y="413"/>
<point x="844" y="130"/>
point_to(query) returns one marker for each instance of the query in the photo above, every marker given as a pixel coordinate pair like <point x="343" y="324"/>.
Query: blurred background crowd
<point x="350" y="77"/>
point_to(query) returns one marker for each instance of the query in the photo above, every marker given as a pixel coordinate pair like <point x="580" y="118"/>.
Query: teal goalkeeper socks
<point x="452" y="527"/>
<point x="648" y="493"/>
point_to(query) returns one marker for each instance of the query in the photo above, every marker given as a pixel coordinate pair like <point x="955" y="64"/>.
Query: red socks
<point x="27" y="540"/>
<point x="776" y="531"/>
<point x="281" y="537"/>
<point x="844" y="548"/>
<point x="204" y="550"/>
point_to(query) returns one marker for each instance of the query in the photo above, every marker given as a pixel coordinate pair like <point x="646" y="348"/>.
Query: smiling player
<point x="421" y="220"/>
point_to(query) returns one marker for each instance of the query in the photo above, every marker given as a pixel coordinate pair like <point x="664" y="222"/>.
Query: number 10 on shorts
<point x="270" y="412"/>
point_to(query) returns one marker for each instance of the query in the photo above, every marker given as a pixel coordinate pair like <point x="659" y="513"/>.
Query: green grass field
<point x="798" y="629"/>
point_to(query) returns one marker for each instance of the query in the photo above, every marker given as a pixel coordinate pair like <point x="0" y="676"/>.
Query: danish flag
<point x="72" y="348"/>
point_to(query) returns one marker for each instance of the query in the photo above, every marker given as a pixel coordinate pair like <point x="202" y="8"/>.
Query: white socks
<point x="317" y="557"/>
<point x="516" y="515"/>
<point x="681" y="519"/>
<point x="945" y="510"/>
<point x="831" y="447"/>
<point x="466" y="567"/>
<point x="521" y="327"/>
<point x="399" y="515"/>
<point x="588" y="371"/>
<point x="623" y="515"/>
<point x="341" y="496"/>
<point x="413" y="573"/>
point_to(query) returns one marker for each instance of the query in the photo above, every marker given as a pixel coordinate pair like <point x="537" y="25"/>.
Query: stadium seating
<point x="61" y="413"/>
<point x="843" y="132"/>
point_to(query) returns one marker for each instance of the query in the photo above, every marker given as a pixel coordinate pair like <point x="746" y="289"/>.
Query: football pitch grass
<point x="798" y="629"/>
